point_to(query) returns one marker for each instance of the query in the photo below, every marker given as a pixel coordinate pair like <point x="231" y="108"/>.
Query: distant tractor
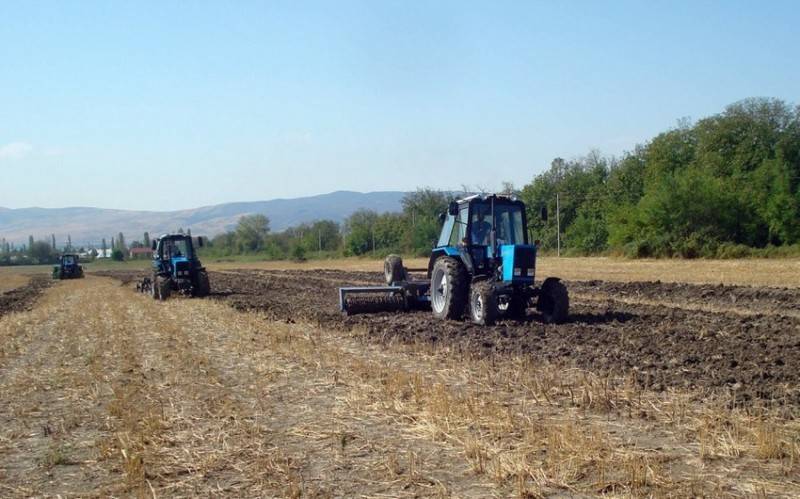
<point x="176" y="268"/>
<point x="68" y="267"/>
<point x="482" y="266"/>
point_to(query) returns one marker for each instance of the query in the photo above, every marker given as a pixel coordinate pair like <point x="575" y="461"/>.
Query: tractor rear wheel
<point x="202" y="286"/>
<point x="449" y="288"/>
<point x="482" y="303"/>
<point x="154" y="288"/>
<point x="393" y="269"/>
<point x="553" y="301"/>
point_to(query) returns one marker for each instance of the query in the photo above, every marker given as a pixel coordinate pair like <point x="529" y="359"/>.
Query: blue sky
<point x="170" y="105"/>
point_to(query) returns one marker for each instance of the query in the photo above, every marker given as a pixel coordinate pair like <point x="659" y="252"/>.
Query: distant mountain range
<point x="89" y="225"/>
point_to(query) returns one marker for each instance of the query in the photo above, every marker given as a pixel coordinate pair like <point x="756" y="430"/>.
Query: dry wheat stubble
<point x="190" y="397"/>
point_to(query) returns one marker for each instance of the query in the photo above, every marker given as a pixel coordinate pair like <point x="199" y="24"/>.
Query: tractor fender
<point x="438" y="253"/>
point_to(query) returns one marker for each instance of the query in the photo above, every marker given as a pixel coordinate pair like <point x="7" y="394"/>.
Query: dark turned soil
<point x="24" y="297"/>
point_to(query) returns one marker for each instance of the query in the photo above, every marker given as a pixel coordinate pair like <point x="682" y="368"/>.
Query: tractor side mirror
<point x="153" y="244"/>
<point x="544" y="213"/>
<point x="442" y="216"/>
<point x="200" y="241"/>
<point x="452" y="208"/>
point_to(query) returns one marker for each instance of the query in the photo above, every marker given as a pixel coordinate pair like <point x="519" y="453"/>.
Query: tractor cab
<point x="488" y="234"/>
<point x="177" y="268"/>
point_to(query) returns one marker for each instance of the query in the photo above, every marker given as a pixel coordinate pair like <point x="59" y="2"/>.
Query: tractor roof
<point x="485" y="197"/>
<point x="174" y="236"/>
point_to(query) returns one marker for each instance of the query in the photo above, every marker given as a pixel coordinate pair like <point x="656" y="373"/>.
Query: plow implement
<point x="398" y="297"/>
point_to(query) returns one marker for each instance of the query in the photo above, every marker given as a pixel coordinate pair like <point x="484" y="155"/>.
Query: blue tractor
<point x="68" y="267"/>
<point x="176" y="268"/>
<point x="482" y="266"/>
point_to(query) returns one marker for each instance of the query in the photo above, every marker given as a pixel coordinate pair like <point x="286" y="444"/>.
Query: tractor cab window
<point x="507" y="222"/>
<point x="460" y="228"/>
<point x="481" y="224"/>
<point x="447" y="231"/>
<point x="69" y="260"/>
<point x="510" y="229"/>
<point x="454" y="229"/>
<point x="175" y="248"/>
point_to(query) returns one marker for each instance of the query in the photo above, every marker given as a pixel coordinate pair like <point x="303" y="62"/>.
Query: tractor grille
<point x="524" y="261"/>
<point x="182" y="270"/>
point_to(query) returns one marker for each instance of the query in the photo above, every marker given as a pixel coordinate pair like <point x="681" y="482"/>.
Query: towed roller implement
<point x="401" y="292"/>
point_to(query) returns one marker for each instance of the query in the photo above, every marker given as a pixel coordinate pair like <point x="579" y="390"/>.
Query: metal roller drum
<point x="364" y="304"/>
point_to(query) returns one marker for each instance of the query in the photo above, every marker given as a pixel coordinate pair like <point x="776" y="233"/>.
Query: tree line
<point x="725" y="186"/>
<point x="412" y="231"/>
<point x="46" y="251"/>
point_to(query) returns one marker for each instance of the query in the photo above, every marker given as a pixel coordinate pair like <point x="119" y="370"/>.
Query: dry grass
<point x="9" y="281"/>
<point x="751" y="272"/>
<point x="190" y="398"/>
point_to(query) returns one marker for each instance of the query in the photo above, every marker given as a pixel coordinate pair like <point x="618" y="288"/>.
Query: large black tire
<point x="449" y="288"/>
<point x="482" y="303"/>
<point x="164" y="288"/>
<point x="393" y="269"/>
<point x="154" y="288"/>
<point x="553" y="301"/>
<point x="202" y="286"/>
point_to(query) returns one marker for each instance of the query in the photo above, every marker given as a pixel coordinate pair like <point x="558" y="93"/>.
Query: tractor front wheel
<point x="202" y="287"/>
<point x="449" y="288"/>
<point x="483" y="303"/>
<point x="553" y="301"/>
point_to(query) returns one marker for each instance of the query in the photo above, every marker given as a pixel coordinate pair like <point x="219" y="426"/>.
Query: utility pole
<point x="558" y="226"/>
<point x="319" y="238"/>
<point x="373" y="239"/>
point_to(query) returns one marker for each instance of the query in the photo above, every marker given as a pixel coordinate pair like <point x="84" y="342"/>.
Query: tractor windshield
<point x="176" y="248"/>
<point x="69" y="260"/>
<point x="508" y="223"/>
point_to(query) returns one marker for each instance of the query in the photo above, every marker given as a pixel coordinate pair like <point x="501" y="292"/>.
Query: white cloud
<point x="15" y="150"/>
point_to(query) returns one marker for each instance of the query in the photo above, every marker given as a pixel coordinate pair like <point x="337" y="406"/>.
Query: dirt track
<point x="743" y="341"/>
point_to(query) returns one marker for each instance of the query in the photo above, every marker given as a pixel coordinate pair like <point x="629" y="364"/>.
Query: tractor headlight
<point x="517" y="272"/>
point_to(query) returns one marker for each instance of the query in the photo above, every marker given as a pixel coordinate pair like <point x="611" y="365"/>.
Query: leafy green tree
<point x="359" y="232"/>
<point x="421" y="211"/>
<point x="251" y="233"/>
<point x="41" y="252"/>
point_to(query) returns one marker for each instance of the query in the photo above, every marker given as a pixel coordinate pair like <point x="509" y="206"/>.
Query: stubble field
<point x="651" y="388"/>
